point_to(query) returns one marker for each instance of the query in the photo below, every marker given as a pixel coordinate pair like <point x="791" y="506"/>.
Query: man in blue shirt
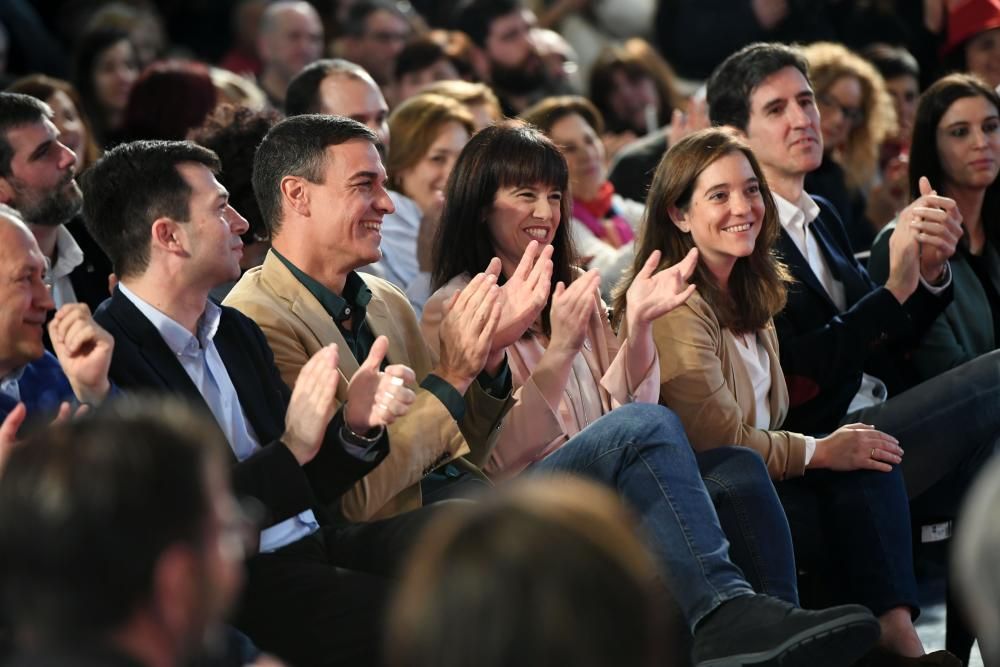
<point x="29" y="375"/>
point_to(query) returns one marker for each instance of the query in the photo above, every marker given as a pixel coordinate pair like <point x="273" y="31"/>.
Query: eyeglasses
<point x="855" y="116"/>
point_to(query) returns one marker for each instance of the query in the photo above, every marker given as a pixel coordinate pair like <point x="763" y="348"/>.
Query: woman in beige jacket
<point x="720" y="372"/>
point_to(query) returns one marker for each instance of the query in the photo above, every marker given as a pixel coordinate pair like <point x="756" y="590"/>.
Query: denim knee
<point x="652" y="422"/>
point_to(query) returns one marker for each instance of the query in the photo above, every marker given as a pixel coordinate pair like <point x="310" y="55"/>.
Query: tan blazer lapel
<point x="739" y="377"/>
<point x="314" y="318"/>
<point x="382" y="323"/>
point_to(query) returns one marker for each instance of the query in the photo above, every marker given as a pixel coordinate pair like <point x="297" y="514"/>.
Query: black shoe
<point x="762" y="630"/>
<point x="880" y="657"/>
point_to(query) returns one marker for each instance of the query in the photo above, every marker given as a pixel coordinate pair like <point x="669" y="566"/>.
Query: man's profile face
<point x="357" y="98"/>
<point x="212" y="233"/>
<point x="294" y="40"/>
<point x="515" y="64"/>
<point x="783" y="129"/>
<point x="348" y="205"/>
<point x="24" y="297"/>
<point x="42" y="185"/>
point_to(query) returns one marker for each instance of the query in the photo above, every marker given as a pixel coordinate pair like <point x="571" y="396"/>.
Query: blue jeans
<point x="641" y="451"/>
<point x="751" y="515"/>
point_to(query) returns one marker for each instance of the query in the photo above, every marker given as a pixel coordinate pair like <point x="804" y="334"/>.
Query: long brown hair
<point x="757" y="285"/>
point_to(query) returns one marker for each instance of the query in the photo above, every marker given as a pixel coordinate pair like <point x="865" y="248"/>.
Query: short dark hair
<point x="924" y="157"/>
<point x="17" y="110"/>
<point x="733" y="82"/>
<point x="131" y="186"/>
<point x="474" y="18"/>
<point x="303" y="97"/>
<point x="233" y="133"/>
<point x="297" y="147"/>
<point x="508" y="154"/>
<point x="88" y="506"/>
<point x="891" y="61"/>
<point x="356" y="21"/>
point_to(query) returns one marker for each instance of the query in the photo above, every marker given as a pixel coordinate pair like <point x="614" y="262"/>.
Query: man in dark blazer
<point x="841" y="336"/>
<point x="316" y="587"/>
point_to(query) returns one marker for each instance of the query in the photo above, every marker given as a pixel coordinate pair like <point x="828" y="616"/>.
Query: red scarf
<point x="602" y="219"/>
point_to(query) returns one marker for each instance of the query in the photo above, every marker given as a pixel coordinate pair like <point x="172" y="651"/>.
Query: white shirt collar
<point x="68" y="254"/>
<point x="797" y="216"/>
<point x="179" y="339"/>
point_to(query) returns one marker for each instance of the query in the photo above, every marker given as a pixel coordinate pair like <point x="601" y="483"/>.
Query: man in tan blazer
<point x="320" y="185"/>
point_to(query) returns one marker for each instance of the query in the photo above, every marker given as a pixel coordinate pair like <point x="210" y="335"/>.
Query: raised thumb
<point x="376" y="354"/>
<point x="925" y="186"/>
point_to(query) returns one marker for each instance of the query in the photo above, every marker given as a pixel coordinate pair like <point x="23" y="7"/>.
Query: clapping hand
<point x="572" y="308"/>
<point x="466" y="334"/>
<point x="376" y="398"/>
<point x="652" y="295"/>
<point x="313" y="404"/>
<point x="938" y="223"/>
<point x="525" y="293"/>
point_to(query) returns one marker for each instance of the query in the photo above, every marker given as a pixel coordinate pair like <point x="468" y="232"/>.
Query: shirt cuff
<point x="447" y="394"/>
<point x="360" y="447"/>
<point x="937" y="289"/>
<point x="498" y="386"/>
<point x="810" y="448"/>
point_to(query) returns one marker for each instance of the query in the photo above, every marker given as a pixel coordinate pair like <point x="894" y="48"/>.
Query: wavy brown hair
<point x="830" y="62"/>
<point x="757" y="284"/>
<point x="414" y="126"/>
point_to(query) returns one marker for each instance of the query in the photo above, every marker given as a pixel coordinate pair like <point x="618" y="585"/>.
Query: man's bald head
<point x="291" y="37"/>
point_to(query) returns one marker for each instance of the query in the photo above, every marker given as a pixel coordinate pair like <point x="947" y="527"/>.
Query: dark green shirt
<point x="352" y="307"/>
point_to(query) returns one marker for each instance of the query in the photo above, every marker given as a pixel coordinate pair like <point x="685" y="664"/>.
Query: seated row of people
<point x="514" y="316"/>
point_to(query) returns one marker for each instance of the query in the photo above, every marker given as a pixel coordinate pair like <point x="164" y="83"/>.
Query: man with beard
<point x="38" y="178"/>
<point x="507" y="56"/>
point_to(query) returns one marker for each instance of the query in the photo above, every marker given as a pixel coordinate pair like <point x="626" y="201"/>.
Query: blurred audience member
<point x="901" y="73"/>
<point x="975" y="554"/>
<point x="234" y="133"/>
<point x="104" y="70"/>
<point x="74" y="127"/>
<point x="237" y="90"/>
<point x="634" y="89"/>
<point x="290" y="37"/>
<point x="856" y="116"/>
<point x="604" y="224"/>
<point x="338" y="87"/>
<point x="191" y="94"/>
<point x="422" y="61"/>
<point x="560" y="59"/>
<point x="242" y="58"/>
<point x="478" y="98"/>
<point x="38" y="177"/>
<point x="507" y="57"/>
<point x="428" y="132"/>
<point x="373" y="35"/>
<point x="138" y="498"/>
<point x="972" y="42"/>
<point x="141" y="21"/>
<point x="956" y="145"/>
<point x="548" y="572"/>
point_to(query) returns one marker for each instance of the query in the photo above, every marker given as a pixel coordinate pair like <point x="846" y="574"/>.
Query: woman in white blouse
<point x="720" y="372"/>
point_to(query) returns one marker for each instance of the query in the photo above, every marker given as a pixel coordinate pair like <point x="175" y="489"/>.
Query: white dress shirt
<point x="68" y="257"/>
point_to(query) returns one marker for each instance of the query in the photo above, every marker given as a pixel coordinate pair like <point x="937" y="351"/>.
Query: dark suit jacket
<point x="142" y="361"/>
<point x="823" y="351"/>
<point x="89" y="279"/>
